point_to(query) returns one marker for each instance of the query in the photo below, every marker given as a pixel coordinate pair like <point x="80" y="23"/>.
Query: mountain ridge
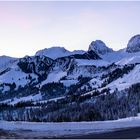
<point x="78" y="77"/>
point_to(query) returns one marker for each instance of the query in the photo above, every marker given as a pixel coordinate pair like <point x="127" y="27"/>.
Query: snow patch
<point x="54" y="76"/>
<point x="82" y="62"/>
<point x="68" y="83"/>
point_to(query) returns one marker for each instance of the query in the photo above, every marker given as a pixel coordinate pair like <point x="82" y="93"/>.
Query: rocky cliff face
<point x="133" y="44"/>
<point x="99" y="47"/>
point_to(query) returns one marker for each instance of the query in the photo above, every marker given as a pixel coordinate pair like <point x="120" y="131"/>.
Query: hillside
<point x="58" y="85"/>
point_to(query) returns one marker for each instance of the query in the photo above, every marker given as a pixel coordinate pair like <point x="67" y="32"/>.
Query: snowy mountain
<point x="99" y="47"/>
<point x="6" y="61"/>
<point x="56" y="52"/>
<point x="59" y="85"/>
<point x="133" y="44"/>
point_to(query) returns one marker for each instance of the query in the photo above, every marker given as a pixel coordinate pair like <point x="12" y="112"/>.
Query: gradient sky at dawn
<point x="26" y="27"/>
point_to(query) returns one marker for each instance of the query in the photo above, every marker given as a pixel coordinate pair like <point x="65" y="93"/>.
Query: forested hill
<point x="59" y="85"/>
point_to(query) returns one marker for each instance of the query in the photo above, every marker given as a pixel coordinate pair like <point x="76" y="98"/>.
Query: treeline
<point x="91" y="107"/>
<point x="116" y="73"/>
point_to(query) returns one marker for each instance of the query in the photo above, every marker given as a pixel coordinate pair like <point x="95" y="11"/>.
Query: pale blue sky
<point x="26" y="27"/>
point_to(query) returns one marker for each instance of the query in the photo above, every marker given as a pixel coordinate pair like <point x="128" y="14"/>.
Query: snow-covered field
<point x="70" y="128"/>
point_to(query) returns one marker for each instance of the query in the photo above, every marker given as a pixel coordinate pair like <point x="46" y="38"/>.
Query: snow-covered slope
<point x="6" y="61"/>
<point x="57" y="72"/>
<point x="129" y="60"/>
<point x="59" y="85"/>
<point x="17" y="76"/>
<point x="114" y="56"/>
<point x="83" y="62"/>
<point x="122" y="57"/>
<point x="127" y="80"/>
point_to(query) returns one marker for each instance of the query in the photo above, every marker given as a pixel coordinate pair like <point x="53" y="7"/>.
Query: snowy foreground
<point x="69" y="128"/>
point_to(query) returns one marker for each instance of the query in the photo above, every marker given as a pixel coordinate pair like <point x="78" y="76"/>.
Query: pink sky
<point x="26" y="27"/>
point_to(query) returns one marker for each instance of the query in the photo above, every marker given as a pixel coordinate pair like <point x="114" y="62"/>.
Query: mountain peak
<point x="99" y="47"/>
<point x="53" y="52"/>
<point x="133" y="44"/>
<point x="57" y="52"/>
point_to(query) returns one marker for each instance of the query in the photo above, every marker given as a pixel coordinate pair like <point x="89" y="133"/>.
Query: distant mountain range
<point x="58" y="85"/>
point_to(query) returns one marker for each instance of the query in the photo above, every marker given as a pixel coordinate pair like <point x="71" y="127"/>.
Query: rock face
<point x="99" y="47"/>
<point x="133" y="44"/>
